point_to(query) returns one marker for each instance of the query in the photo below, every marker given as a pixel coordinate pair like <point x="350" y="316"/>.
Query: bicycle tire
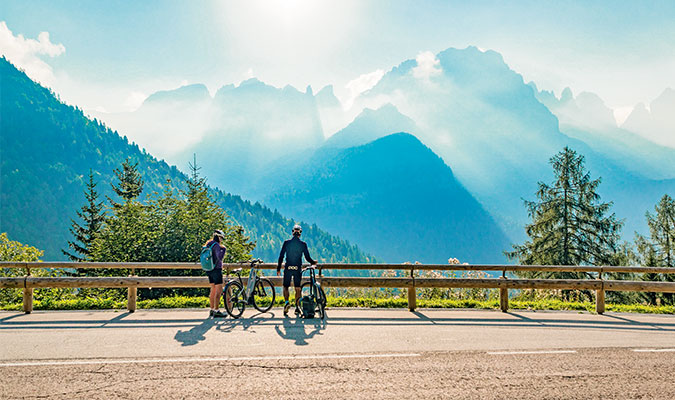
<point x="321" y="301"/>
<point x="233" y="294"/>
<point x="263" y="295"/>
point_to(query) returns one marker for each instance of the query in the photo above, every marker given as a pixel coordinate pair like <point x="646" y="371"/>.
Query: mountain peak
<point x="194" y="92"/>
<point x="326" y="98"/>
<point x="371" y="125"/>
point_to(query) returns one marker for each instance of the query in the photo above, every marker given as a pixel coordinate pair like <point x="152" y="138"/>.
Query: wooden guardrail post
<point x="27" y="294"/>
<point x="131" y="299"/>
<point x="412" y="293"/>
<point x="27" y="300"/>
<point x="600" y="296"/>
<point x="131" y="295"/>
<point x="503" y="295"/>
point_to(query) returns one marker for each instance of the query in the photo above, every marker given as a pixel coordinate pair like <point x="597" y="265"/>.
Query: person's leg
<point x="212" y="296"/>
<point x="297" y="282"/>
<point x="219" y="293"/>
<point x="286" y="293"/>
<point x="298" y="294"/>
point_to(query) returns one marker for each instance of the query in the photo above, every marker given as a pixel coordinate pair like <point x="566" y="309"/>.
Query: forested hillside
<point x="47" y="149"/>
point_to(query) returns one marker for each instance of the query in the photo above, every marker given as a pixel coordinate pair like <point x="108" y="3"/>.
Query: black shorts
<point x="215" y="276"/>
<point x="291" y="271"/>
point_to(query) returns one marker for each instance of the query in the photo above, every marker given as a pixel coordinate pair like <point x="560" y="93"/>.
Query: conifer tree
<point x="130" y="183"/>
<point x="570" y="225"/>
<point x="659" y="249"/>
<point x="92" y="216"/>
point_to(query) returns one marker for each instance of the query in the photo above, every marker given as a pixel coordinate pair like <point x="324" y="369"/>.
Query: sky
<point x="109" y="56"/>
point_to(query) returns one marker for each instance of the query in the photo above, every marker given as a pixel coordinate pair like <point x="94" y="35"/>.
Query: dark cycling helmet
<point x="297" y="229"/>
<point x="219" y="233"/>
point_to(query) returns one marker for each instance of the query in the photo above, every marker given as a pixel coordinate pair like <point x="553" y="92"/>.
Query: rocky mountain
<point x="587" y="118"/>
<point x="656" y="123"/>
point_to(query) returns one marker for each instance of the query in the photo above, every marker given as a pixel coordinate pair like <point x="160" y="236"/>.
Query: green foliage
<point x="569" y="223"/>
<point x="336" y="302"/>
<point x="570" y="226"/>
<point x="130" y="183"/>
<point x="14" y="251"/>
<point x="167" y="228"/>
<point x="658" y="250"/>
<point x="92" y="215"/>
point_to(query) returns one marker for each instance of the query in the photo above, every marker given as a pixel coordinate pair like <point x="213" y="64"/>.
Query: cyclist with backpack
<point x="293" y="249"/>
<point x="215" y="274"/>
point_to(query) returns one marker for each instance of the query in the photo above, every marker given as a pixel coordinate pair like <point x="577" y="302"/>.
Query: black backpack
<point x="308" y="307"/>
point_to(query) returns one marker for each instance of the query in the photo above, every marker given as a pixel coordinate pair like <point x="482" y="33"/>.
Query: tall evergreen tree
<point x="92" y="216"/>
<point x="130" y="183"/>
<point x="659" y="249"/>
<point x="570" y="226"/>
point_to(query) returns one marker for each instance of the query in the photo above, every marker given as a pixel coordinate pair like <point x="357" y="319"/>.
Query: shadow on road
<point x="195" y="334"/>
<point x="246" y="324"/>
<point x="294" y="329"/>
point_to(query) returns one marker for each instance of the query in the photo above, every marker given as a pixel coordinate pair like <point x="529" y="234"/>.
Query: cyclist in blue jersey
<point x="293" y="249"/>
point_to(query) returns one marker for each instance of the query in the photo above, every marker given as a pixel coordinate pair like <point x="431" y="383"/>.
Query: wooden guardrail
<point x="410" y="281"/>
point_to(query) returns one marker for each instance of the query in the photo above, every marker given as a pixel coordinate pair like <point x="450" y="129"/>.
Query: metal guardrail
<point x="411" y="282"/>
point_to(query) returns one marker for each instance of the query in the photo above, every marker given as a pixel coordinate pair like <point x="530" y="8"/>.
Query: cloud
<point x="25" y="53"/>
<point x="134" y="100"/>
<point x="360" y="85"/>
<point x="427" y="65"/>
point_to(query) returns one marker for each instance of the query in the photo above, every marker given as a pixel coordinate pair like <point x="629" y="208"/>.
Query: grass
<point x="336" y="302"/>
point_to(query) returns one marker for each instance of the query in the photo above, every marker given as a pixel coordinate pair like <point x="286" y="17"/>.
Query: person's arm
<point x="281" y="257"/>
<point x="307" y="256"/>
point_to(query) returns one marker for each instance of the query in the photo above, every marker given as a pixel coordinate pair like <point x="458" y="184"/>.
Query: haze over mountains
<point x="47" y="149"/>
<point x="477" y="140"/>
<point x="492" y="129"/>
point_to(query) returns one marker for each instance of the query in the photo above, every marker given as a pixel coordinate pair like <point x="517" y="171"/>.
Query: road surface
<point x="356" y="353"/>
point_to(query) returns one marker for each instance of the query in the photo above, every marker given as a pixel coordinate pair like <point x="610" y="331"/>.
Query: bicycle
<point x="314" y="291"/>
<point x="259" y="292"/>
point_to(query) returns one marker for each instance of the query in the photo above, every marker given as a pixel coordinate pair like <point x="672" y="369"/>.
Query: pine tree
<point x="570" y="225"/>
<point x="659" y="249"/>
<point x="130" y="183"/>
<point x="93" y="216"/>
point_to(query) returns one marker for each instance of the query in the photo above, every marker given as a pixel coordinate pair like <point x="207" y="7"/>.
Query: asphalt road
<point x="355" y="354"/>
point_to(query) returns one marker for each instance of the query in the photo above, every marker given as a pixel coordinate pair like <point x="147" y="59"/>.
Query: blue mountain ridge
<point x="394" y="197"/>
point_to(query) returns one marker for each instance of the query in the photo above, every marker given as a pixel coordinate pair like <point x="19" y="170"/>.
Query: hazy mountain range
<point x="47" y="149"/>
<point x="478" y="139"/>
<point x="495" y="131"/>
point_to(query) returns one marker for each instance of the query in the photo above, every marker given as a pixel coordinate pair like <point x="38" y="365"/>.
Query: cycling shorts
<point x="215" y="276"/>
<point x="295" y="272"/>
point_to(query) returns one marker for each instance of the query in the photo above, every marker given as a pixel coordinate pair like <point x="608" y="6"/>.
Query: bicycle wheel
<point x="322" y="297"/>
<point x="263" y="295"/>
<point x="234" y="299"/>
<point x="321" y="302"/>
